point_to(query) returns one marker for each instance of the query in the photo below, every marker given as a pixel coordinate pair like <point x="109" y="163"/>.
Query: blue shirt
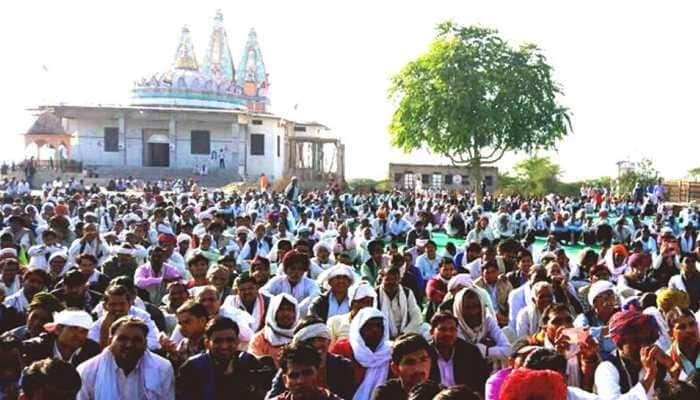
<point x="427" y="267"/>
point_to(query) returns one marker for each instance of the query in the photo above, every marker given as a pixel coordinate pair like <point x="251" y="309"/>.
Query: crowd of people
<point x="172" y="294"/>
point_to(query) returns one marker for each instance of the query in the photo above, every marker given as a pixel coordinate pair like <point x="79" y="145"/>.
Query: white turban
<point x="183" y="237"/>
<point x="318" y="330"/>
<point x="598" y="288"/>
<point x="464" y="280"/>
<point x="361" y="290"/>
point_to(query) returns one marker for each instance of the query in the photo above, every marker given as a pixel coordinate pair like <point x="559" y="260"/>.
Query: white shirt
<point x="607" y="384"/>
<point x="447" y="372"/>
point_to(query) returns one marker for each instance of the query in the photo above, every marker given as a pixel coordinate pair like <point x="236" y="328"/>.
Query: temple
<point x="193" y="114"/>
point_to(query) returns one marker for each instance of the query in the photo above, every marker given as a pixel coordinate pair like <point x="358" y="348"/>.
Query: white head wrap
<point x="376" y="363"/>
<point x="458" y="280"/>
<point x="598" y="288"/>
<point x="273" y="333"/>
<point x="361" y="290"/>
<point x="318" y="330"/>
<point x="9" y="251"/>
<point x="183" y="237"/>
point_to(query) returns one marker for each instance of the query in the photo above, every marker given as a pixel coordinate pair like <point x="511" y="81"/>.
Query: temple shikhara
<point x="194" y="114"/>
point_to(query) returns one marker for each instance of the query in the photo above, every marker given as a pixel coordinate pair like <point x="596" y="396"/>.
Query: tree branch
<point x="496" y="159"/>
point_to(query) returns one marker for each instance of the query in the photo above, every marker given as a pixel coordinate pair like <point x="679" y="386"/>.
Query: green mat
<point x="441" y="239"/>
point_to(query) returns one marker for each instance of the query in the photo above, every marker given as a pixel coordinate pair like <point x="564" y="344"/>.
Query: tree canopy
<point x="472" y="97"/>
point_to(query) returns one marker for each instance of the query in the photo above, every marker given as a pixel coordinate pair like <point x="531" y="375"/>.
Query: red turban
<point x="618" y="248"/>
<point x="167" y="239"/>
<point x="624" y="323"/>
<point x="525" y="383"/>
<point x="61" y="209"/>
<point x="295" y="257"/>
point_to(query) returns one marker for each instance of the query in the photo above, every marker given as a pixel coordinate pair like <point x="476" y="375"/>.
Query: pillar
<point x="122" y="134"/>
<point x="172" y="139"/>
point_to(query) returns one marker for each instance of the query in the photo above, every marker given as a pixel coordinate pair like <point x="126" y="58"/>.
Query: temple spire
<point x="251" y="69"/>
<point x="185" y="57"/>
<point x="218" y="61"/>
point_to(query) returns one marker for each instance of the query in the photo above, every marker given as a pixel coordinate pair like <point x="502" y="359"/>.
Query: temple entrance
<point x="158" y="155"/>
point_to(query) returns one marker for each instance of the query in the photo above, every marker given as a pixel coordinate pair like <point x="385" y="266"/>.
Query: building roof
<point x="409" y="165"/>
<point x="47" y="123"/>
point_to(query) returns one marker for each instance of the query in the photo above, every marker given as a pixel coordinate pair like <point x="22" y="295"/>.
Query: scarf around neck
<point x="376" y="363"/>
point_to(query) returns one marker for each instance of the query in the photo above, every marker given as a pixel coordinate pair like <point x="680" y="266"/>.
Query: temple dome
<point x="214" y="85"/>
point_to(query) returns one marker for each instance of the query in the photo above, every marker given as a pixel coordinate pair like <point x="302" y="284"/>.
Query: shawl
<point x="388" y="310"/>
<point x="258" y="310"/>
<point x="106" y="378"/>
<point x="376" y="363"/>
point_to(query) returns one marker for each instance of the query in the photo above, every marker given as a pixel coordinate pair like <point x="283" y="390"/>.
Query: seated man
<point x="334" y="301"/>
<point x="222" y="371"/>
<point x="333" y="370"/>
<point x="369" y="349"/>
<point x="454" y="361"/>
<point x="301" y="366"/>
<point x="50" y="379"/>
<point x="498" y="288"/>
<point x="87" y="264"/>
<point x="410" y="364"/>
<point x="66" y="339"/>
<point x="117" y="303"/>
<point x="249" y="299"/>
<point x="154" y="276"/>
<point x="279" y="327"/>
<point x="638" y="365"/>
<point x="75" y="292"/>
<point x="293" y="281"/>
<point x="126" y="369"/>
<point x="191" y="320"/>
<point x="399" y="305"/>
<point x="33" y="281"/>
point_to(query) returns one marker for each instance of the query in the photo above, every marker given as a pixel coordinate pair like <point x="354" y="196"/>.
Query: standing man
<point x="222" y="159"/>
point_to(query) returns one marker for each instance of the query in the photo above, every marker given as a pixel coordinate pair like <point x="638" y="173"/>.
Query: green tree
<point x="472" y="97"/>
<point x="540" y="176"/>
<point x="643" y="172"/>
<point x="694" y="174"/>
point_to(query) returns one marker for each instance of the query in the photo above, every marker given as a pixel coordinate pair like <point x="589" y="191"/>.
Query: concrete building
<point x="447" y="177"/>
<point x="192" y="115"/>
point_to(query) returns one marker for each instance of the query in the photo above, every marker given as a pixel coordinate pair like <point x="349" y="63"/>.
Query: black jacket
<point x="470" y="367"/>
<point x="198" y="378"/>
<point x="319" y="306"/>
<point x="338" y="378"/>
<point x="41" y="347"/>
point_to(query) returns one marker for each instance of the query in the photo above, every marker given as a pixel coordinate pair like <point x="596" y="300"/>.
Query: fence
<point x="683" y="191"/>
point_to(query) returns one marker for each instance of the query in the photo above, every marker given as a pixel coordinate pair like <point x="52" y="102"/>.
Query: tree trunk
<point x="476" y="174"/>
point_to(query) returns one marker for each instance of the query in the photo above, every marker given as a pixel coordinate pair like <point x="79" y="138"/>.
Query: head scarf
<point x="273" y="333"/>
<point x="472" y="335"/>
<point x="624" y="323"/>
<point x="525" y="383"/>
<point x="609" y="260"/>
<point x="376" y="363"/>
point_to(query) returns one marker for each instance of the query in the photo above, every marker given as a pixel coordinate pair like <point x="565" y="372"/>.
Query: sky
<point x="629" y="69"/>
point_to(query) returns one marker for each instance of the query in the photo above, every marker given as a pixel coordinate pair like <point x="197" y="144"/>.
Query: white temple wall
<point x="269" y="163"/>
